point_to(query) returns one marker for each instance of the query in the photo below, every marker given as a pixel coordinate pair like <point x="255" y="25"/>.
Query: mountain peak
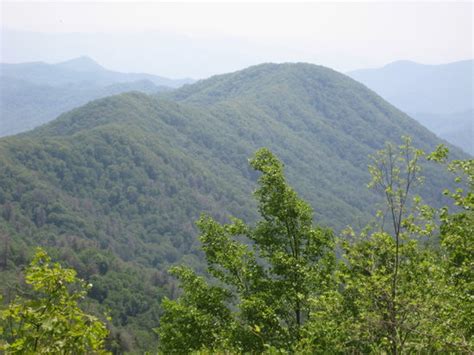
<point x="401" y="63"/>
<point x="268" y="80"/>
<point x="82" y="63"/>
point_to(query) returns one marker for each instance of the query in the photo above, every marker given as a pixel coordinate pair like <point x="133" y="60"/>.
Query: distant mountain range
<point x="35" y="93"/>
<point x="441" y="97"/>
<point x="114" y="187"/>
<point x="79" y="71"/>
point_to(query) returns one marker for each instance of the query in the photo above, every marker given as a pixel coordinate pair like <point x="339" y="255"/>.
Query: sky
<point x="198" y="40"/>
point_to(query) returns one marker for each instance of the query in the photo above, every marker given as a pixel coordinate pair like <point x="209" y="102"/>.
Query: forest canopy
<point x="403" y="284"/>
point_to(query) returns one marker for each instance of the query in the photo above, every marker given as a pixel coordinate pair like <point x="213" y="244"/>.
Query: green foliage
<point x="113" y="188"/>
<point x="300" y="256"/>
<point x="50" y="320"/>
<point x="271" y="282"/>
<point x="404" y="285"/>
<point x="408" y="287"/>
<point x="200" y="317"/>
<point x="456" y="308"/>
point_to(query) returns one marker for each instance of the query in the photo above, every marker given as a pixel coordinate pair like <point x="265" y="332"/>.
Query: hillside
<point x="24" y="105"/>
<point x="441" y="97"/>
<point x="114" y="187"/>
<point x="36" y="93"/>
<point x="457" y="128"/>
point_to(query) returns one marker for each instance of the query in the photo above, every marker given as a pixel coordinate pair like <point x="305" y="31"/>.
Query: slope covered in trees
<point x="457" y="128"/>
<point x="113" y="188"/>
<point x="24" y="105"/>
<point x="36" y="93"/>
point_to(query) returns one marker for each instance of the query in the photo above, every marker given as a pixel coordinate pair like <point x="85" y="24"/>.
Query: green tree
<point x="405" y="284"/>
<point x="389" y="276"/>
<point x="200" y="317"/>
<point x="49" y="319"/>
<point x="454" y="301"/>
<point x="271" y="270"/>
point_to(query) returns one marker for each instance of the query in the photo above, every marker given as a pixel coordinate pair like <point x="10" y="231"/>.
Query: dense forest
<point x="113" y="189"/>
<point x="278" y="287"/>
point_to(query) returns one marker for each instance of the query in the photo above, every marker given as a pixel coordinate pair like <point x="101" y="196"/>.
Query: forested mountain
<point x="441" y="97"/>
<point x="35" y="93"/>
<point x="457" y="128"/>
<point x="24" y="106"/>
<point x="113" y="188"/>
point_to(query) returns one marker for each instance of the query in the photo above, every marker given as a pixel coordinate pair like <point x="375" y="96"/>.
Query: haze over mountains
<point x="115" y="185"/>
<point x="441" y="97"/>
<point x="79" y="70"/>
<point x="35" y="93"/>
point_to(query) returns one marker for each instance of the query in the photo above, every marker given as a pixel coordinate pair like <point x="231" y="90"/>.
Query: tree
<point x="387" y="276"/>
<point x="398" y="289"/>
<point x="455" y="308"/>
<point x="200" y="317"/>
<point x="49" y="319"/>
<point x="271" y="277"/>
<point x="394" y="174"/>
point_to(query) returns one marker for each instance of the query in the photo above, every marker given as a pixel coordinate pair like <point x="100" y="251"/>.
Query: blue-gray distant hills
<point x="36" y="93"/>
<point x="77" y="71"/>
<point x="440" y="97"/>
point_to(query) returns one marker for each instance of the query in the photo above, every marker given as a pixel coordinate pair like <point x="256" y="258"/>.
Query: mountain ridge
<point x="264" y="106"/>
<point x="82" y="63"/>
<point x="64" y="73"/>
<point x="35" y="93"/>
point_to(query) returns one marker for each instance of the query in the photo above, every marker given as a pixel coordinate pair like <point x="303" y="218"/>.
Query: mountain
<point x="24" y="105"/>
<point x="36" y="93"/>
<point x="113" y="188"/>
<point x="84" y="64"/>
<point x="77" y="71"/>
<point x="457" y="128"/>
<point x="443" y="93"/>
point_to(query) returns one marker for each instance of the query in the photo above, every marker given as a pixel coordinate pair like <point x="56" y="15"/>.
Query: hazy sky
<point x="201" y="39"/>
